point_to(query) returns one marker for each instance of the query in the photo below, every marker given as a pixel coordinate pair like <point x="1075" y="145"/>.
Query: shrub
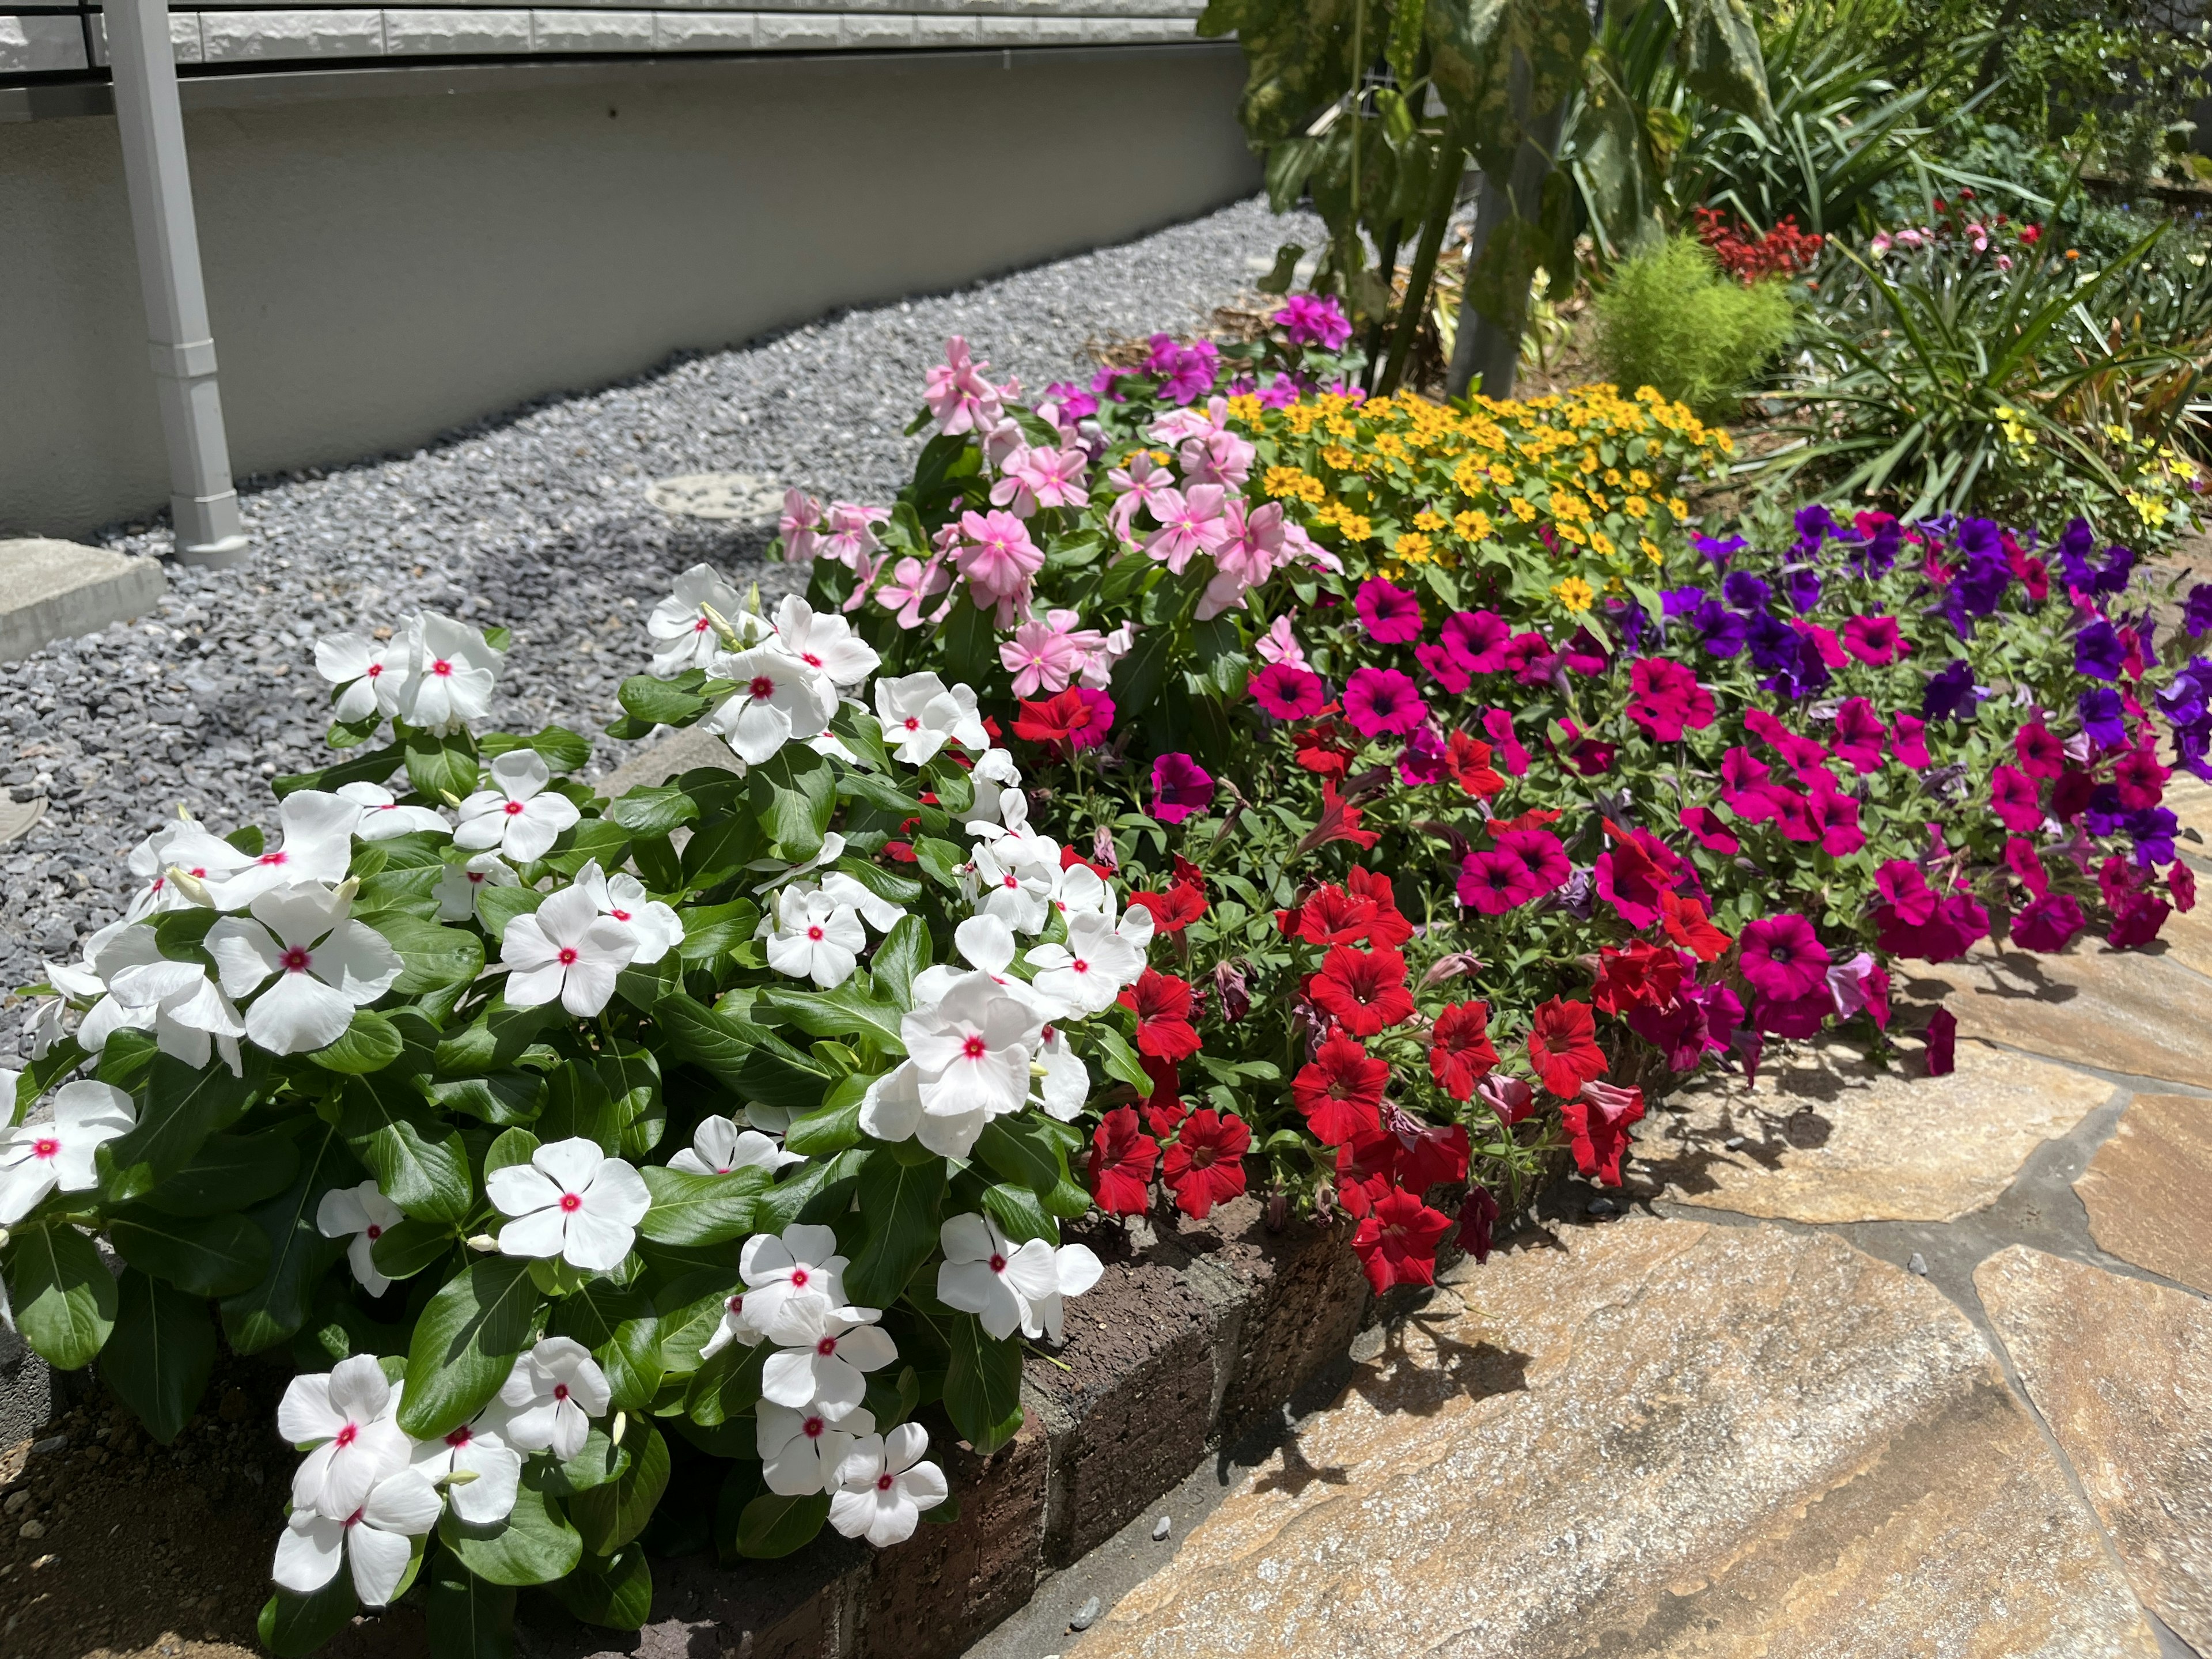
<point x="1670" y="319"/>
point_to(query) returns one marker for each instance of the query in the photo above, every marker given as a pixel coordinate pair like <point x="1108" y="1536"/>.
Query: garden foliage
<point x="1672" y="318"/>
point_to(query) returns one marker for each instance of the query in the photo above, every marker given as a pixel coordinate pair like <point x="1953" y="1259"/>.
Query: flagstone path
<point x="1863" y="1364"/>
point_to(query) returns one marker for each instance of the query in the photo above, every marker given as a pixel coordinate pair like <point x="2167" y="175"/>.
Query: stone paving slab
<point x="1655" y="1438"/>
<point x="1824" y="1137"/>
<point x="2190" y="801"/>
<point x="2121" y="1370"/>
<point x="2145" y="1190"/>
<point x="51" y="590"/>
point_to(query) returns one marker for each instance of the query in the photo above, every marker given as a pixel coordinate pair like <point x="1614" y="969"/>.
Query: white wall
<point x="382" y="267"/>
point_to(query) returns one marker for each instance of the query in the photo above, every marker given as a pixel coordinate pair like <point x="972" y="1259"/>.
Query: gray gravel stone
<point x="538" y="519"/>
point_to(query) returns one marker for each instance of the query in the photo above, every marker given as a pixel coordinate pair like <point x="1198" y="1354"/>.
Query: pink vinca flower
<point x="960" y="399"/>
<point x="1191" y="522"/>
<point x="1280" y="644"/>
<point x="1141" y="482"/>
<point x="1036" y="477"/>
<point x="912" y="584"/>
<point x="1045" y="655"/>
<point x="999" y="559"/>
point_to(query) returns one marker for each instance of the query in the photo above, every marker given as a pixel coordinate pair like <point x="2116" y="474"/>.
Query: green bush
<point x="1672" y="319"/>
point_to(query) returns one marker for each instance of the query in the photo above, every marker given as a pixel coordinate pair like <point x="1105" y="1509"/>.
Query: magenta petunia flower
<point x="1098" y="708"/>
<point x="1833" y="817"/>
<point x="1504" y="746"/>
<point x="1380" y="700"/>
<point x="1530" y="658"/>
<point x="1391" y="614"/>
<point x="2141" y="779"/>
<point x="2040" y="753"/>
<point x="2049" y="924"/>
<point x="1426" y="759"/>
<point x="1313" y="319"/>
<point x="1443" y="668"/>
<point x="1288" y="693"/>
<point x="1907" y="744"/>
<point x="1476" y="639"/>
<point x="1792" y="812"/>
<point x="1180" y="787"/>
<point x="1540" y="855"/>
<point x="1710" y="833"/>
<point x="1905" y="890"/>
<point x="1667" y="698"/>
<point x="1741" y="769"/>
<point x="1493" y="881"/>
<point x="2013" y="796"/>
<point x="1875" y="640"/>
<point x="1859" y="736"/>
<point x="1782" y="956"/>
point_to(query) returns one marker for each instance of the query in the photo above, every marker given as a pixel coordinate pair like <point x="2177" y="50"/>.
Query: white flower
<point x="824" y="643"/>
<point x="1081" y="891"/>
<point x="798" y="1269"/>
<point x="801" y="1451"/>
<point x="520" y="817"/>
<point x="327" y="965"/>
<point x="815" y="938"/>
<point x="551" y="1396"/>
<point x="778" y="698"/>
<point x="382" y="816"/>
<point x="345" y="1415"/>
<point x="920" y="716"/>
<point x="44" y="1026"/>
<point x="317" y="846"/>
<point x="882" y="1486"/>
<point x="366" y="1213"/>
<point x="571" y="1201"/>
<point x="821" y="1356"/>
<point x="566" y="949"/>
<point x="451" y="668"/>
<point x="480" y="1449"/>
<point x="1088" y="972"/>
<point x="183" y="845"/>
<point x="879" y="913"/>
<point x="372" y="1537"/>
<point x="658" y="928"/>
<point x="719" y="1147"/>
<point x="736" y="1327"/>
<point x="371" y="675"/>
<point x="191" y="1013"/>
<point x="971" y="1050"/>
<point x="684" y="637"/>
<point x="1018" y="893"/>
<point x="997" y="779"/>
<point x="38" y="1158"/>
<point x="1007" y="1288"/>
<point x="1066" y="1086"/>
<point x="458" y="885"/>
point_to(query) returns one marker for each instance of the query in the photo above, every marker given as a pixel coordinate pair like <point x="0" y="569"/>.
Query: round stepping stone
<point x="741" y="497"/>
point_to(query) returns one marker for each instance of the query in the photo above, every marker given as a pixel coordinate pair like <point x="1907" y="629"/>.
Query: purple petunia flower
<point x="1745" y="590"/>
<point x="2098" y="651"/>
<point x="2103" y="717"/>
<point x="1951" y="693"/>
<point x="1180" y="787"/>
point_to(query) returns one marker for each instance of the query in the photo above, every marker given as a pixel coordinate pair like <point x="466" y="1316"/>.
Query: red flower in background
<point x="1163" y="1108"/>
<point x="1478" y="1217"/>
<point x="1397" y="1241"/>
<point x="1183" y="902"/>
<point x="1365" y="1171"/>
<point x="1077" y="717"/>
<point x="1461" y="1055"/>
<point x="1644" y="976"/>
<point x="1320" y="750"/>
<point x="1205" y="1165"/>
<point x="1162" y="1005"/>
<point x="1340" y="1091"/>
<point x="1596" y="1122"/>
<point x="1468" y="759"/>
<point x="1363" y="991"/>
<point x="1562" y="1047"/>
<point x="1339" y="821"/>
<point x="1121" y="1159"/>
<point x="1687" y="926"/>
<point x="1329" y="916"/>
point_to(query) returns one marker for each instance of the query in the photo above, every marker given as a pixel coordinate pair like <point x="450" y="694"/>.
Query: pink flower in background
<point x="1280" y="644"/>
<point x="1097" y="670"/>
<point x="2048" y="924"/>
<point x="1948" y="933"/>
<point x="1530" y="657"/>
<point x="1191" y="522"/>
<point x="1710" y="833"/>
<point x="1426" y="760"/>
<point x="1180" y="787"/>
<point x="1391" y="614"/>
<point x="1313" y="319"/>
<point x="1875" y="640"/>
<point x="2040" y="754"/>
<point x="912" y="584"/>
<point x="799" y="526"/>
<point x="1860" y="985"/>
<point x="1504" y="746"/>
<point x="1475" y="640"/>
<point x="1252" y="543"/>
<point x="1443" y="667"/>
<point x="1540" y="855"/>
<point x="1833" y="817"/>
<point x="1045" y="655"/>
<point x="960" y="399"/>
<point x="1905" y="890"/>
<point x="1141" y="482"/>
<point x="849" y="534"/>
<point x="1492" y="881"/>
<point x="1380" y="700"/>
<point x="1042" y="477"/>
<point x="2141" y="779"/>
<point x="1782" y="957"/>
<point x="2012" y="796"/>
<point x="1218" y="458"/>
<point x="2136" y="920"/>
<point x="998" y="559"/>
<point x="2022" y="860"/>
<point x="1288" y="693"/>
<point x="1859" y="735"/>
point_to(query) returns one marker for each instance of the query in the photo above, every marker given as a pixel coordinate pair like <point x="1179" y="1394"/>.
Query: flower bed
<point x="1203" y="789"/>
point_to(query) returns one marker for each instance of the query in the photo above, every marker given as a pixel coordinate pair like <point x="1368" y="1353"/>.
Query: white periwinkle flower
<point x="480" y="1449"/>
<point x="997" y="782"/>
<point x="316" y="845"/>
<point x="801" y="1451"/>
<point x="37" y="1159"/>
<point x="1008" y="1287"/>
<point x="816" y="938"/>
<point x="565" y="949"/>
<point x="459" y="884"/>
<point x="824" y="641"/>
<point x="821" y="1356"/>
<point x="719" y="1147"/>
<point x="684" y="636"/>
<point x="1064" y="1088"/>
<point x="345" y="1415"/>
<point x="551" y="1396"/>
<point x="372" y="1537"/>
<point x="185" y="846"/>
<point x="363" y="1214"/>
<point x="882" y="1486"/>
<point x="570" y="1200"/>
<point x="920" y="714"/>
<point x="326" y="965"/>
<point x="519" y="815"/>
<point x="191" y="1014"/>
<point x="658" y="927"/>
<point x="371" y="674"/>
<point x="778" y="698"/>
<point x="736" y="1326"/>
<point x="382" y="816"/>
<point x="451" y="669"/>
<point x="786" y="1273"/>
<point x="971" y="1047"/>
<point x="1019" y="893"/>
<point x="1088" y="972"/>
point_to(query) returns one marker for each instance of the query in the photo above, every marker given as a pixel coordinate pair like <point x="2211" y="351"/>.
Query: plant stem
<point x="1443" y="191"/>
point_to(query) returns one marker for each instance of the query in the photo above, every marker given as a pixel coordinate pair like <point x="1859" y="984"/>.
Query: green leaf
<point x="292" y="1626"/>
<point x="654" y="809"/>
<point x="982" y="1386"/>
<point x="620" y="1328"/>
<point x="65" y="1296"/>
<point x="125" y="1059"/>
<point x="900" y="1203"/>
<point x="464" y="1346"/>
<point x="408" y="1246"/>
<point x="772" y="1527"/>
<point x="599" y="1461"/>
<point x="298" y="1254"/>
<point x="608" y="1516"/>
<point x="439" y="767"/>
<point x="510" y="1148"/>
<point x="495" y="1038"/>
<point x="161" y="1353"/>
<point x="720" y="849"/>
<point x="535" y="1545"/>
<point x="370" y="1044"/>
<point x="1119" y="1059"/>
<point x="503" y="1099"/>
<point x="816" y="1192"/>
<point x="848" y="1010"/>
<point x="1024" y="1149"/>
<point x="206" y="1255"/>
<point x="1019" y="1214"/>
<point x="699" y="1209"/>
<point x="228" y="1172"/>
<point x="632" y="1084"/>
<point x="664" y="702"/>
<point x="468" y="1617"/>
<point x="577" y="1104"/>
<point x="564" y="751"/>
<point x="833" y="1126"/>
<point x="419" y="1164"/>
<point x="1719" y="51"/>
<point x="373" y="767"/>
<point x="1472" y="48"/>
<point x="435" y="956"/>
<point x="794" y="794"/>
<point x="709" y="930"/>
<point x="616" y="1592"/>
<point x="904" y="952"/>
<point x="497" y="906"/>
<point x="183" y="1107"/>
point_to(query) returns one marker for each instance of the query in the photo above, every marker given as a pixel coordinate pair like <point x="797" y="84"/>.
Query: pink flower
<point x="1045" y="655"/>
<point x="1426" y="760"/>
<point x="1043" y="477"/>
<point x="1861" y="986"/>
<point x="1180" y="787"/>
<point x="2141" y="779"/>
<point x="911" y="584"/>
<point x="1191" y="522"/>
<point x="2040" y="754"/>
<point x="960" y="399"/>
<point x="1782" y="957"/>
<point x="1667" y="698"/>
<point x="1949" y="931"/>
<point x="1875" y="640"/>
<point x="2021" y="859"/>
<point x="1142" y="482"/>
<point x="2135" y="920"/>
<point x="1905" y="890"/>
<point x="1710" y="833"/>
<point x="1859" y="734"/>
<point x="1380" y="700"/>
<point x="1475" y="640"/>
<point x="1633" y="873"/>
<point x="1391" y="614"/>
<point x="802" y="516"/>
<point x="1280" y="644"/>
<point x="1443" y="667"/>
<point x="1311" y="319"/>
<point x="1218" y="458"/>
<point x="850" y="536"/>
<point x="1540" y="855"/>
<point x="1833" y="818"/>
<point x="1493" y="881"/>
<point x="1288" y="693"/>
<point x="2048" y="924"/>
<point x="1504" y="746"/>
<point x="1906" y="744"/>
<point x="1530" y="658"/>
<point x="998" y="559"/>
<point x="2013" y="796"/>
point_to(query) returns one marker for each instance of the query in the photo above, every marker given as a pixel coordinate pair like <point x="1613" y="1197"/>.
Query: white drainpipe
<point x="202" y="502"/>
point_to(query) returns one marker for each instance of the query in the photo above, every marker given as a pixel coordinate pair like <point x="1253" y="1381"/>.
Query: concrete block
<point x="53" y="590"/>
<point x="878" y="32"/>
<point x="798" y="32"/>
<point x="1008" y="31"/>
<point x="1059" y="31"/>
<point x="232" y="37"/>
<point x="591" y="30"/>
<point x="452" y="31"/>
<point x="704" y="31"/>
<point x="944" y="31"/>
<point x="28" y="45"/>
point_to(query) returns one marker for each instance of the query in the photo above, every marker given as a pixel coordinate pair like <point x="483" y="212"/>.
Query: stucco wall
<point x="381" y="267"/>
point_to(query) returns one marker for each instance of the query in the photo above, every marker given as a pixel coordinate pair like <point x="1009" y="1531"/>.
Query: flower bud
<point x="483" y="1243"/>
<point x="192" y="887"/>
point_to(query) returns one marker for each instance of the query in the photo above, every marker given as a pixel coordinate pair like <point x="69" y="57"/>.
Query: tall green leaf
<point x="901" y="1205"/>
<point x="298" y="1254"/>
<point x="982" y="1386"/>
<point x="609" y="1515"/>
<point x="467" y="1617"/>
<point x="205" y="1255"/>
<point x="64" y="1296"/>
<point x="160" y="1356"/>
<point x="464" y="1346"/>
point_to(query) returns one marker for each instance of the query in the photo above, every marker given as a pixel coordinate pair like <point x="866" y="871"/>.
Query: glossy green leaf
<point x="904" y="952"/>
<point x="182" y="1107"/>
<point x="159" y="1357"/>
<point x="292" y="1626"/>
<point x="410" y="1245"/>
<point x="535" y="1545"/>
<point x="902" y="1205"/>
<point x="610" y="1515"/>
<point x="617" y="1592"/>
<point x="620" y="1328"/>
<point x="982" y="1386"/>
<point x="205" y="1255"/>
<point x="435" y="956"/>
<point x="419" y="1163"/>
<point x="463" y="1347"/>
<point x="229" y="1172"/>
<point x="64" y="1296"/>
<point x="654" y="809"/>
<point x="772" y="1527"/>
<point x="370" y="1044"/>
<point x="298" y="1254"/>
<point x="468" y="1617"/>
<point x="700" y="1209"/>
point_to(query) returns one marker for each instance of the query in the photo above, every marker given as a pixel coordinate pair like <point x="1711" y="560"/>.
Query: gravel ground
<point x="536" y="520"/>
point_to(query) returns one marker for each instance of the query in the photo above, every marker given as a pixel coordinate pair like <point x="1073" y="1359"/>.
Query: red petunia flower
<point x="1396" y="1243"/>
<point x="1389" y="928"/>
<point x="1687" y="926"/>
<point x="1121" y="1160"/>
<point x="1597" y="1122"/>
<point x="1643" y="975"/>
<point x="1363" y="991"/>
<point x="1366" y="1168"/>
<point x="1433" y="1154"/>
<point x="1320" y="750"/>
<point x="1077" y="717"/>
<point x="1162" y="1006"/>
<point x="1330" y="916"/>
<point x="1339" y="821"/>
<point x="1462" y="1055"/>
<point x="1175" y="910"/>
<point x="1562" y="1047"/>
<point x="1205" y="1166"/>
<point x="1340" y="1091"/>
<point x="1468" y="759"/>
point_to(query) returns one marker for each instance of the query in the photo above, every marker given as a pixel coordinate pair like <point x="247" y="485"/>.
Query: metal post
<point x="202" y="502"/>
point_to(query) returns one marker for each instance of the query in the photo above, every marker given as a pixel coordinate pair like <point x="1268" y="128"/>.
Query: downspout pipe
<point x="202" y="504"/>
